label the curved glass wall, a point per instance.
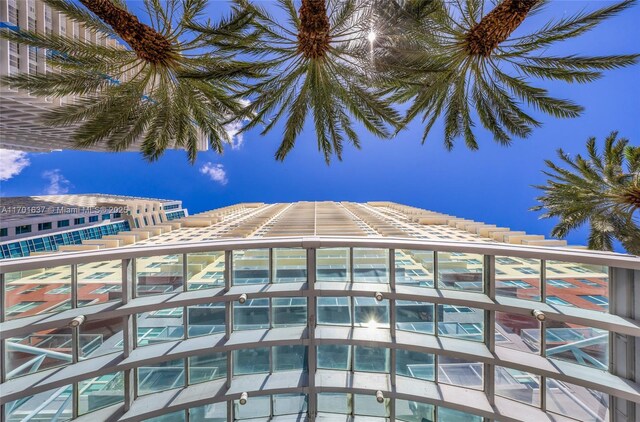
(312, 333)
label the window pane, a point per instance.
(159, 275)
(287, 358)
(580, 403)
(334, 356)
(251, 267)
(215, 412)
(450, 415)
(461, 322)
(205, 270)
(415, 364)
(460, 271)
(518, 385)
(460, 372)
(289, 404)
(519, 332)
(207, 367)
(38, 351)
(289, 311)
(584, 286)
(256, 407)
(415, 316)
(370, 265)
(100, 282)
(414, 267)
(37, 292)
(206, 319)
(100, 337)
(578, 344)
(334, 403)
(367, 405)
(369, 312)
(411, 411)
(41, 407)
(251, 361)
(178, 416)
(160, 376)
(518, 277)
(251, 315)
(371, 359)
(290, 265)
(333, 265)
(159, 326)
(99, 392)
(334, 311)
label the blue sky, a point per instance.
(491, 185)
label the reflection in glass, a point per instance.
(179, 416)
(215, 412)
(577, 402)
(99, 392)
(371, 359)
(160, 326)
(41, 406)
(415, 364)
(251, 361)
(333, 265)
(368, 312)
(290, 265)
(461, 322)
(370, 265)
(251, 315)
(450, 415)
(518, 385)
(35, 352)
(256, 407)
(578, 344)
(411, 411)
(460, 372)
(250, 266)
(205, 270)
(518, 277)
(99, 282)
(519, 332)
(334, 403)
(159, 274)
(289, 404)
(415, 316)
(206, 319)
(100, 337)
(367, 405)
(289, 311)
(584, 286)
(288, 358)
(414, 267)
(334, 311)
(460, 271)
(36, 292)
(160, 376)
(207, 367)
(334, 356)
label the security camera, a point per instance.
(378, 296)
(538, 314)
(379, 397)
(243, 398)
(77, 321)
(242, 298)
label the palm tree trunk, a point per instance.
(496, 26)
(313, 37)
(148, 43)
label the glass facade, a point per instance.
(431, 329)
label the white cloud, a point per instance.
(216, 172)
(58, 184)
(12, 163)
(233, 128)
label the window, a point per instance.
(4, 232)
(33, 289)
(116, 215)
(78, 220)
(554, 270)
(106, 289)
(506, 261)
(93, 219)
(527, 270)
(63, 223)
(62, 290)
(589, 282)
(514, 283)
(597, 299)
(560, 283)
(580, 269)
(23, 229)
(21, 307)
(146, 222)
(44, 226)
(44, 275)
(555, 300)
(98, 275)
(106, 216)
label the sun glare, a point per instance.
(372, 36)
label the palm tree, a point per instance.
(154, 91)
(602, 189)
(317, 59)
(469, 66)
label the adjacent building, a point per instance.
(321, 311)
(20, 126)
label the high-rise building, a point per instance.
(322, 311)
(21, 127)
(50, 223)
